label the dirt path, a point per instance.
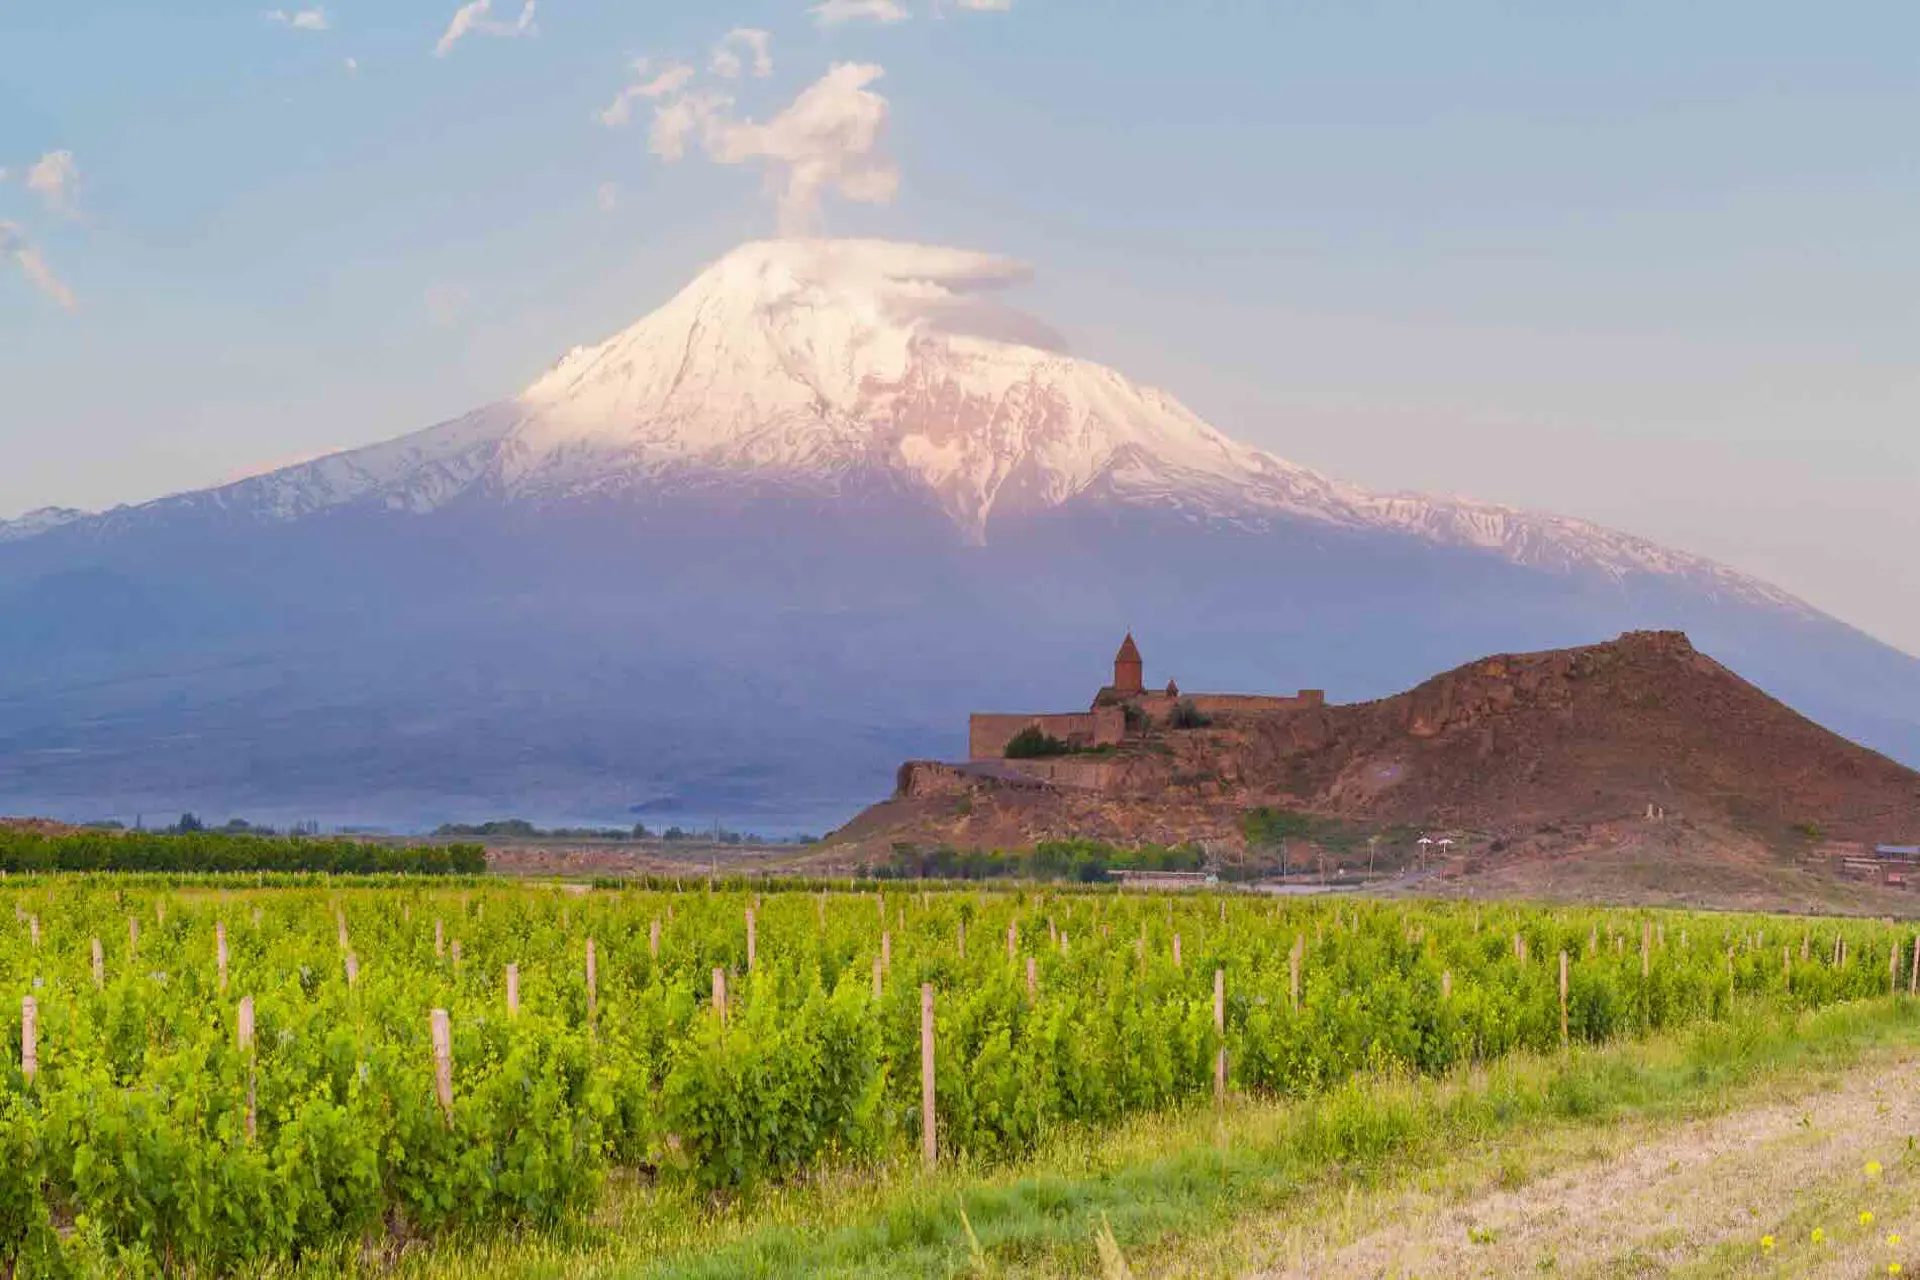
(1692, 1198)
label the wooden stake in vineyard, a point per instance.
(455, 949)
(1013, 938)
(1220, 1029)
(720, 992)
(877, 973)
(353, 969)
(441, 1030)
(1565, 1040)
(963, 939)
(1913, 979)
(752, 940)
(243, 1034)
(133, 936)
(653, 939)
(1294, 958)
(29, 1038)
(593, 983)
(220, 950)
(886, 951)
(1646, 949)
(439, 939)
(33, 928)
(513, 990)
(99, 965)
(1033, 983)
(1446, 984)
(929, 1146)
(1176, 951)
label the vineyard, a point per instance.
(209, 1075)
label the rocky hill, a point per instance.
(1506, 748)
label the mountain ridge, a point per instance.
(745, 554)
(807, 361)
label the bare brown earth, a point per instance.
(1702, 1196)
(1525, 758)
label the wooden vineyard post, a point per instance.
(1293, 970)
(1033, 982)
(99, 965)
(1053, 934)
(1140, 948)
(1593, 940)
(752, 941)
(454, 949)
(1786, 966)
(220, 950)
(886, 952)
(1519, 947)
(133, 936)
(439, 939)
(653, 939)
(593, 984)
(442, 1031)
(1220, 1029)
(340, 917)
(1176, 951)
(1646, 948)
(243, 1034)
(1893, 967)
(1446, 984)
(878, 980)
(1013, 938)
(1063, 942)
(821, 910)
(1913, 979)
(1564, 1038)
(29, 1038)
(963, 939)
(513, 990)
(929, 1145)
(33, 928)
(353, 969)
(720, 993)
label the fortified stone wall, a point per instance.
(1214, 703)
(988, 735)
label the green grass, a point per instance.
(1171, 1188)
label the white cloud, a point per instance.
(314, 19)
(831, 13)
(353, 66)
(476, 15)
(726, 62)
(15, 246)
(651, 85)
(829, 139)
(609, 197)
(55, 178)
(986, 6)
(675, 122)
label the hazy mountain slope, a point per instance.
(831, 493)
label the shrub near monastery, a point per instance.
(135, 1109)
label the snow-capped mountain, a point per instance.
(807, 363)
(744, 555)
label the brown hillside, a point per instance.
(1504, 747)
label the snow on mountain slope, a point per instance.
(809, 362)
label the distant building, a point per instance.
(1127, 698)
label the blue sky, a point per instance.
(1654, 264)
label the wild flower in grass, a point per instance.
(1766, 1244)
(1893, 1268)
(1893, 1240)
(1866, 1217)
(1873, 1168)
(1819, 1235)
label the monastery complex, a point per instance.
(1120, 707)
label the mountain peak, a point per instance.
(825, 366)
